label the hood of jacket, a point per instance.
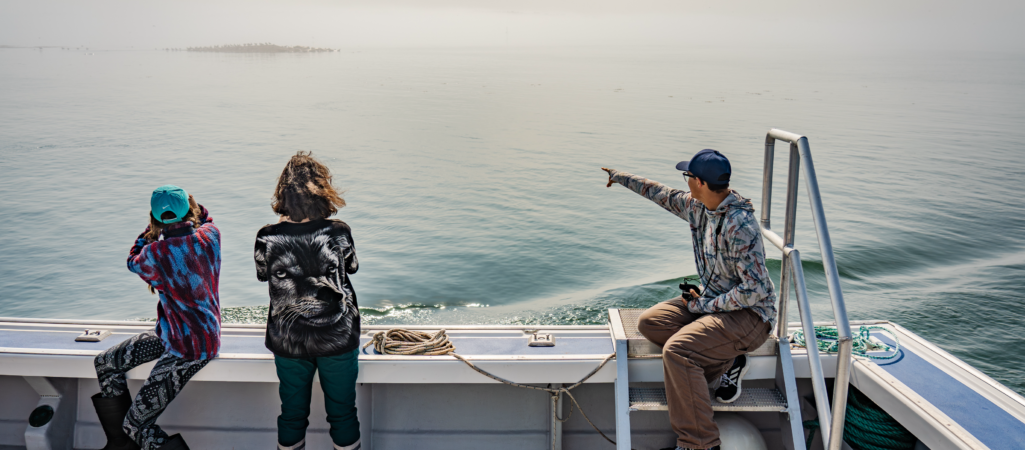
(733, 202)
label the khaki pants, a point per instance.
(696, 350)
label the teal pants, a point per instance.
(337, 379)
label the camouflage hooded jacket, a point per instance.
(730, 262)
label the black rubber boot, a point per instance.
(112, 412)
(175, 442)
(681, 448)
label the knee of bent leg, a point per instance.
(680, 347)
(647, 325)
(105, 358)
(125, 426)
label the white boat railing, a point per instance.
(831, 424)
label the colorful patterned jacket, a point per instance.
(731, 264)
(184, 267)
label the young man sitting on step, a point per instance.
(705, 335)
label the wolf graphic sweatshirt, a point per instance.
(313, 309)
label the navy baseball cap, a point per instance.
(708, 165)
(169, 198)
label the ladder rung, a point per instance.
(751, 399)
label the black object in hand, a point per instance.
(686, 288)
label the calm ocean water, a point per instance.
(473, 180)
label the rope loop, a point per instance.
(828, 340)
(407, 342)
(868, 427)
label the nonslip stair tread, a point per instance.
(751, 399)
(639, 346)
(630, 319)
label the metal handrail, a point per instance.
(831, 425)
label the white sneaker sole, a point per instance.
(740, 379)
(301, 445)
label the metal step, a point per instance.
(639, 346)
(751, 399)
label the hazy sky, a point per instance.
(868, 24)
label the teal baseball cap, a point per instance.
(169, 198)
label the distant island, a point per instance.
(253, 48)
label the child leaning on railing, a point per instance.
(313, 322)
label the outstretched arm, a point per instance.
(675, 201)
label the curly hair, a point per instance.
(305, 190)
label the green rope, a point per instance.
(867, 427)
(811, 425)
(828, 341)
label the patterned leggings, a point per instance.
(166, 380)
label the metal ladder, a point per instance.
(783, 399)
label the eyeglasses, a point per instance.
(688, 176)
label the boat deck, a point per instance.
(939, 398)
(48, 348)
(995, 426)
(235, 344)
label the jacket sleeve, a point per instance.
(139, 259)
(675, 201)
(747, 255)
(204, 216)
(260, 255)
(352, 264)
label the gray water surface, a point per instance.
(473, 180)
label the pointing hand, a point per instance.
(610, 176)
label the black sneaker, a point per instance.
(729, 386)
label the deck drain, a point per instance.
(40, 416)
